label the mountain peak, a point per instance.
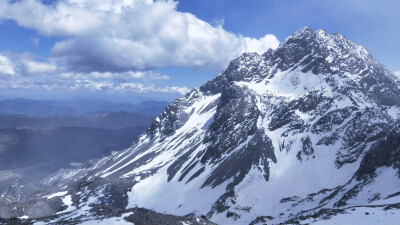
(306, 33)
(302, 33)
(332, 56)
(321, 42)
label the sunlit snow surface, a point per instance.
(67, 200)
(58, 194)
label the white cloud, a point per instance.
(89, 85)
(31, 67)
(30, 74)
(25, 65)
(261, 45)
(117, 36)
(174, 89)
(145, 75)
(65, 18)
(6, 66)
(397, 73)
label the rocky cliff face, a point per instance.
(306, 132)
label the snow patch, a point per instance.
(67, 200)
(58, 194)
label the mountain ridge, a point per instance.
(75, 107)
(300, 134)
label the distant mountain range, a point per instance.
(107, 120)
(38, 138)
(76, 107)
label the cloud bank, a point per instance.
(122, 35)
(108, 44)
(27, 73)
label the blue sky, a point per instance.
(133, 50)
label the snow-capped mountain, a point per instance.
(305, 133)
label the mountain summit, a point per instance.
(301, 134)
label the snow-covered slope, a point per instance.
(304, 133)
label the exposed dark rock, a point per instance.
(144, 217)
